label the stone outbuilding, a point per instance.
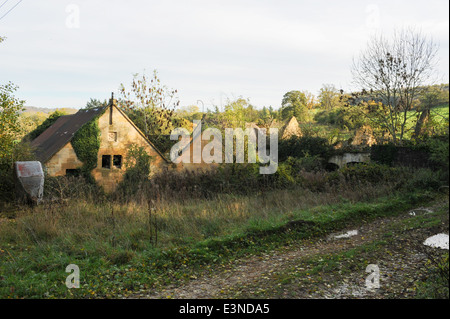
(117, 133)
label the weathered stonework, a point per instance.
(115, 139)
(117, 134)
(63, 160)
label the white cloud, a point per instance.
(258, 49)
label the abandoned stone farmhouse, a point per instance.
(116, 133)
(53, 148)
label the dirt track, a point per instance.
(400, 262)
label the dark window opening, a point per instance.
(331, 167)
(73, 172)
(106, 161)
(117, 161)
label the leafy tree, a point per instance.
(266, 117)
(237, 113)
(149, 104)
(329, 97)
(10, 108)
(348, 118)
(299, 147)
(311, 101)
(294, 103)
(94, 103)
(11, 149)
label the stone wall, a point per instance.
(63, 160)
(343, 160)
(115, 139)
(117, 134)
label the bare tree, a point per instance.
(149, 103)
(391, 74)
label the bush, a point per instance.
(299, 147)
(384, 154)
(371, 173)
(344, 118)
(425, 179)
(137, 172)
(61, 188)
(20, 152)
(439, 153)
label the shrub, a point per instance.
(425, 179)
(372, 173)
(439, 153)
(20, 152)
(384, 154)
(344, 118)
(298, 147)
(137, 172)
(61, 188)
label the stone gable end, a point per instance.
(117, 135)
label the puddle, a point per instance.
(346, 290)
(420, 211)
(437, 241)
(348, 234)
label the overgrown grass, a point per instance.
(124, 245)
(116, 252)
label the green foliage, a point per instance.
(424, 179)
(436, 284)
(439, 149)
(86, 143)
(294, 103)
(137, 172)
(432, 96)
(304, 146)
(138, 163)
(45, 125)
(329, 97)
(343, 117)
(10, 108)
(21, 152)
(11, 149)
(78, 187)
(384, 154)
(370, 173)
(95, 103)
(306, 163)
(237, 113)
(35, 246)
(149, 104)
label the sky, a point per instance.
(62, 53)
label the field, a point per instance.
(133, 250)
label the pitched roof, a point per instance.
(140, 132)
(61, 132)
(291, 128)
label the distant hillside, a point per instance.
(33, 109)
